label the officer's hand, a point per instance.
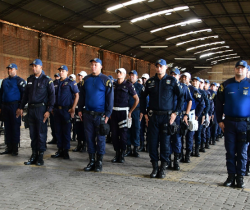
(209, 118)
(52, 111)
(146, 119)
(212, 117)
(141, 116)
(129, 115)
(185, 119)
(172, 118)
(106, 120)
(222, 126)
(72, 113)
(45, 116)
(80, 115)
(19, 112)
(203, 119)
(196, 118)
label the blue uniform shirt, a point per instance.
(12, 89)
(211, 103)
(97, 94)
(65, 92)
(187, 96)
(39, 90)
(233, 99)
(162, 95)
(206, 102)
(138, 88)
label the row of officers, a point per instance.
(176, 110)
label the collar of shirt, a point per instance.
(156, 76)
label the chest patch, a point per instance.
(30, 83)
(245, 92)
(168, 82)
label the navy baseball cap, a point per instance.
(197, 78)
(248, 68)
(161, 62)
(63, 67)
(110, 77)
(176, 71)
(37, 62)
(241, 63)
(207, 81)
(133, 72)
(96, 60)
(12, 65)
(57, 75)
(213, 83)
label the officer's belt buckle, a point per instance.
(150, 113)
(59, 107)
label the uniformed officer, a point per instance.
(162, 90)
(40, 96)
(73, 120)
(81, 145)
(97, 96)
(67, 96)
(182, 117)
(52, 121)
(214, 124)
(140, 81)
(72, 76)
(233, 99)
(11, 93)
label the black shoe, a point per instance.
(240, 182)
(146, 148)
(58, 154)
(33, 158)
(230, 182)
(217, 138)
(116, 158)
(14, 150)
(154, 173)
(182, 157)
(247, 169)
(78, 147)
(176, 161)
(128, 151)
(108, 140)
(196, 153)
(141, 148)
(162, 171)
(8, 150)
(192, 152)
(202, 148)
(210, 141)
(135, 152)
(98, 163)
(53, 141)
(91, 164)
(40, 161)
(169, 165)
(207, 144)
(121, 157)
(187, 156)
(66, 154)
(213, 141)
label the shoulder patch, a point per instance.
(82, 82)
(50, 81)
(108, 83)
(221, 89)
(75, 83)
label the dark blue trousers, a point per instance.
(236, 147)
(95, 142)
(38, 129)
(208, 133)
(197, 135)
(62, 128)
(203, 133)
(156, 137)
(11, 123)
(189, 140)
(142, 129)
(52, 125)
(176, 143)
(134, 131)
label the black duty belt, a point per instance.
(94, 113)
(159, 112)
(36, 105)
(62, 107)
(10, 103)
(237, 119)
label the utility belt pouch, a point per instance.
(164, 129)
(104, 128)
(173, 128)
(184, 129)
(25, 119)
(242, 136)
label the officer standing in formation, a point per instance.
(67, 96)
(121, 114)
(233, 100)
(163, 90)
(11, 93)
(97, 95)
(40, 96)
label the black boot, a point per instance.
(58, 154)
(40, 161)
(135, 152)
(240, 182)
(116, 158)
(162, 171)
(128, 152)
(33, 158)
(14, 149)
(247, 169)
(8, 149)
(84, 146)
(187, 156)
(121, 157)
(182, 157)
(141, 148)
(169, 165)
(197, 154)
(98, 163)
(213, 141)
(217, 138)
(154, 173)
(176, 161)
(66, 154)
(202, 148)
(146, 148)
(207, 144)
(210, 141)
(91, 165)
(192, 152)
(230, 182)
(78, 147)
(53, 141)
